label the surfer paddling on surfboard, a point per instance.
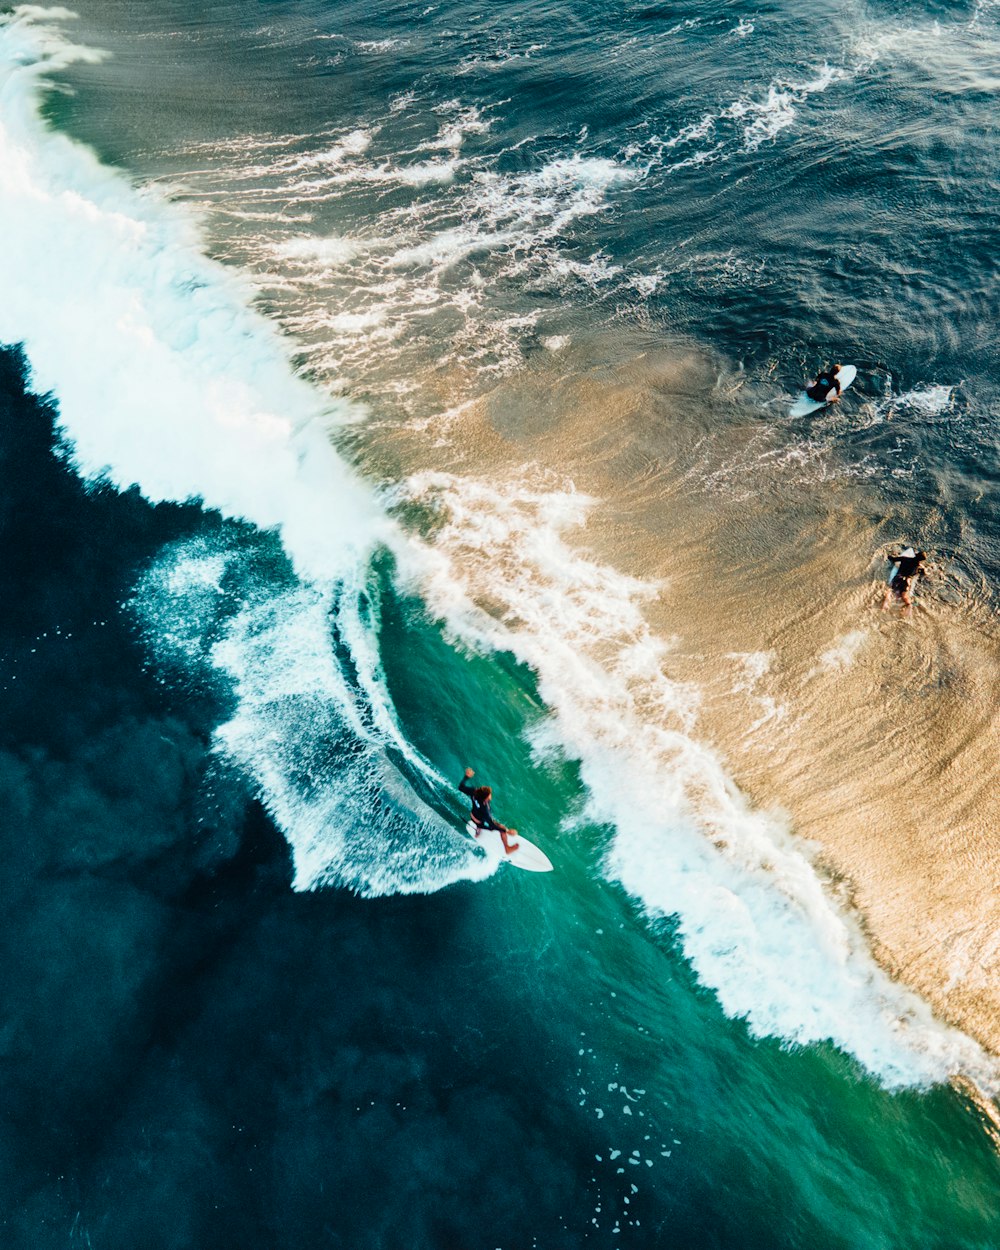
(826, 389)
(482, 817)
(907, 565)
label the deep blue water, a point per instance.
(257, 991)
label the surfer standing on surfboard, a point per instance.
(826, 388)
(482, 817)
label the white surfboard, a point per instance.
(803, 406)
(527, 856)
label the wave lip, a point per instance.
(316, 736)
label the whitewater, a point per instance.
(168, 379)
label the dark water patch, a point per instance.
(117, 821)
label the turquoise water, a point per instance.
(408, 372)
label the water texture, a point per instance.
(401, 390)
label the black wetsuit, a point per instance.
(824, 384)
(481, 814)
(909, 567)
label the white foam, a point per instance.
(592, 272)
(893, 41)
(928, 400)
(379, 45)
(357, 323)
(690, 23)
(763, 120)
(842, 654)
(308, 248)
(526, 210)
(451, 246)
(352, 144)
(459, 120)
(645, 283)
(166, 379)
(754, 666)
(427, 173)
(745, 124)
(754, 918)
(314, 741)
(694, 130)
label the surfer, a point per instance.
(482, 817)
(908, 564)
(826, 389)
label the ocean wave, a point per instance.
(203, 403)
(314, 735)
(167, 380)
(195, 397)
(753, 915)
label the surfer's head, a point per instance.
(482, 793)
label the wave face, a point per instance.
(167, 380)
(754, 916)
(193, 396)
(313, 724)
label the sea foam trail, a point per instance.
(167, 379)
(753, 915)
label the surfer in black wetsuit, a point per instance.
(826, 388)
(482, 817)
(909, 564)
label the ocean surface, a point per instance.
(389, 389)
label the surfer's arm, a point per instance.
(464, 785)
